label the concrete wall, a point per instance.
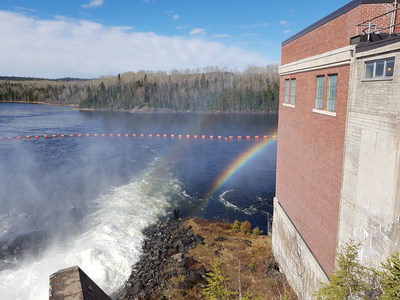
(73, 284)
(294, 257)
(370, 204)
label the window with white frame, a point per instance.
(332, 91)
(293, 91)
(287, 90)
(319, 101)
(290, 91)
(379, 69)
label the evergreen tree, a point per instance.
(391, 277)
(216, 288)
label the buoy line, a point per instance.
(142, 136)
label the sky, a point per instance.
(93, 38)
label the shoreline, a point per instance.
(146, 110)
(40, 103)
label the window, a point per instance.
(287, 90)
(319, 102)
(332, 89)
(290, 91)
(379, 69)
(326, 105)
(293, 91)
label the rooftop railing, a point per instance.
(386, 23)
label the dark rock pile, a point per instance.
(163, 258)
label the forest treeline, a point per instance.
(256, 89)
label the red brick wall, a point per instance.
(310, 160)
(332, 35)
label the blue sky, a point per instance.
(91, 38)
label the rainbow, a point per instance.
(238, 163)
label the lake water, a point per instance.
(85, 200)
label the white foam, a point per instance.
(248, 210)
(225, 202)
(107, 245)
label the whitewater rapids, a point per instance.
(107, 244)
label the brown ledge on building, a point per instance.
(73, 284)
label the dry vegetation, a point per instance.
(246, 261)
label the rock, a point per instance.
(189, 262)
(163, 250)
(177, 256)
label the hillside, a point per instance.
(213, 90)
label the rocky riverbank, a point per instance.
(181, 256)
(164, 257)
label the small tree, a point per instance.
(236, 225)
(354, 281)
(216, 288)
(391, 278)
(348, 281)
(256, 231)
(245, 227)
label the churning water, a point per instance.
(86, 200)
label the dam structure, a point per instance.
(338, 163)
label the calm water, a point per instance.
(85, 200)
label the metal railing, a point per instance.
(384, 23)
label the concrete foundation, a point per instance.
(294, 257)
(73, 284)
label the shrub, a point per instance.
(347, 281)
(245, 227)
(216, 285)
(236, 225)
(352, 280)
(391, 277)
(257, 231)
(252, 266)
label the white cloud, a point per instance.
(93, 3)
(196, 31)
(254, 25)
(65, 47)
(283, 22)
(286, 31)
(25, 9)
(175, 17)
(222, 35)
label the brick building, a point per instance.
(339, 142)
